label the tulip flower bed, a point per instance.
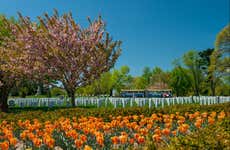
(158, 130)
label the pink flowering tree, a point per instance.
(7, 77)
(58, 48)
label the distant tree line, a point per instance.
(191, 75)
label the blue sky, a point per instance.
(153, 32)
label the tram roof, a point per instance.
(143, 90)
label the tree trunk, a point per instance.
(73, 99)
(71, 94)
(196, 87)
(4, 93)
(213, 88)
(177, 93)
(70, 91)
(111, 92)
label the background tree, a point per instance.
(23, 88)
(116, 80)
(191, 60)
(159, 77)
(139, 83)
(104, 84)
(147, 73)
(205, 61)
(220, 60)
(101, 86)
(180, 81)
(56, 47)
(121, 79)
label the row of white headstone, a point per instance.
(118, 102)
(150, 102)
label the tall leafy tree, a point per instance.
(191, 60)
(122, 79)
(147, 73)
(222, 43)
(220, 60)
(114, 80)
(159, 77)
(104, 84)
(205, 62)
(180, 81)
(139, 83)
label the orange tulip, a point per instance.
(100, 140)
(136, 135)
(204, 115)
(131, 141)
(156, 137)
(39, 132)
(141, 139)
(213, 114)
(166, 131)
(221, 115)
(23, 135)
(49, 141)
(31, 136)
(183, 128)
(168, 125)
(197, 124)
(115, 140)
(197, 113)
(13, 141)
(83, 138)
(87, 147)
(149, 126)
(211, 120)
(157, 131)
(154, 117)
(174, 132)
(123, 139)
(37, 142)
(4, 145)
(191, 116)
(144, 131)
(78, 143)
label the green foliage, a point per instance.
(215, 136)
(191, 60)
(122, 79)
(114, 80)
(146, 76)
(180, 81)
(57, 92)
(222, 42)
(24, 85)
(23, 92)
(220, 60)
(139, 83)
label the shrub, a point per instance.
(57, 92)
(23, 92)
